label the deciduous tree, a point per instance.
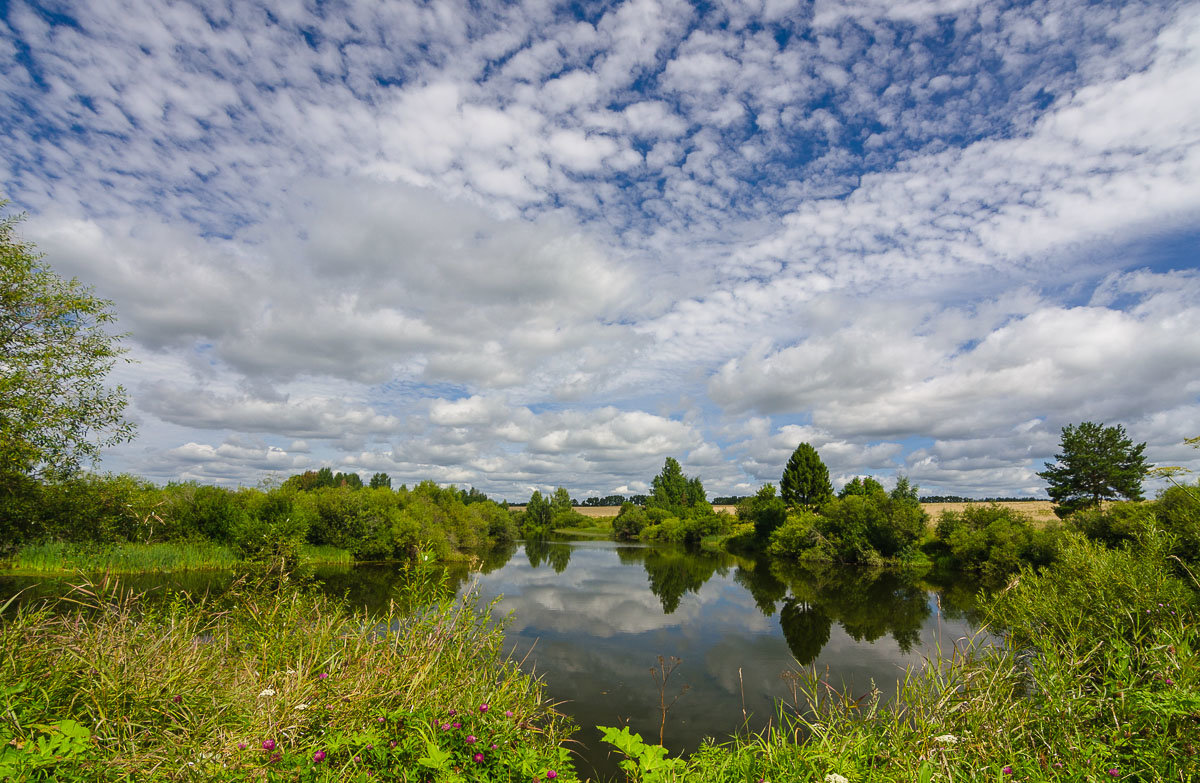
(56, 412)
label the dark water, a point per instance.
(592, 618)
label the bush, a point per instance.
(797, 536)
(629, 522)
(863, 528)
(1178, 513)
(994, 540)
(1117, 524)
(766, 511)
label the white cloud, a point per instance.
(514, 246)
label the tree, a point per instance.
(669, 489)
(55, 411)
(1097, 463)
(805, 480)
(865, 487)
(381, 481)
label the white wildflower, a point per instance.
(834, 777)
(302, 706)
(947, 739)
(267, 692)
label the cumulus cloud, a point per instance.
(520, 245)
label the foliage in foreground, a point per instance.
(1099, 680)
(266, 684)
(55, 411)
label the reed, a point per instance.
(57, 557)
(268, 681)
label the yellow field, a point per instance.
(1037, 510)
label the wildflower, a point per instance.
(470, 739)
(483, 708)
(946, 739)
(1170, 681)
(301, 707)
(176, 699)
(1058, 765)
(358, 759)
(508, 713)
(493, 746)
(477, 758)
(274, 757)
(241, 746)
(834, 777)
(392, 744)
(551, 774)
(322, 676)
(1007, 770)
(370, 747)
(1114, 772)
(268, 744)
(379, 720)
(452, 713)
(267, 692)
(456, 725)
(445, 727)
(319, 756)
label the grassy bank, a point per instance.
(1099, 679)
(266, 683)
(125, 558)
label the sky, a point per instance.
(530, 244)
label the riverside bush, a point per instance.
(267, 683)
(1096, 679)
(994, 540)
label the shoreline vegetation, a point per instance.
(1097, 676)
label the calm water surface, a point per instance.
(592, 617)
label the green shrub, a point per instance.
(629, 522)
(994, 540)
(865, 526)
(1116, 524)
(797, 536)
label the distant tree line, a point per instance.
(961, 499)
(614, 500)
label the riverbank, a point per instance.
(53, 558)
(267, 681)
(1099, 680)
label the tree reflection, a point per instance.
(673, 572)
(868, 603)
(496, 557)
(805, 628)
(764, 587)
(553, 553)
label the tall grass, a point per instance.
(57, 557)
(1098, 679)
(325, 554)
(66, 558)
(267, 682)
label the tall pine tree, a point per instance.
(805, 480)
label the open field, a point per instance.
(1037, 510)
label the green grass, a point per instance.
(267, 682)
(56, 557)
(61, 558)
(1099, 679)
(602, 532)
(323, 554)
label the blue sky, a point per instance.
(523, 245)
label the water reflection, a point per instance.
(592, 620)
(592, 617)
